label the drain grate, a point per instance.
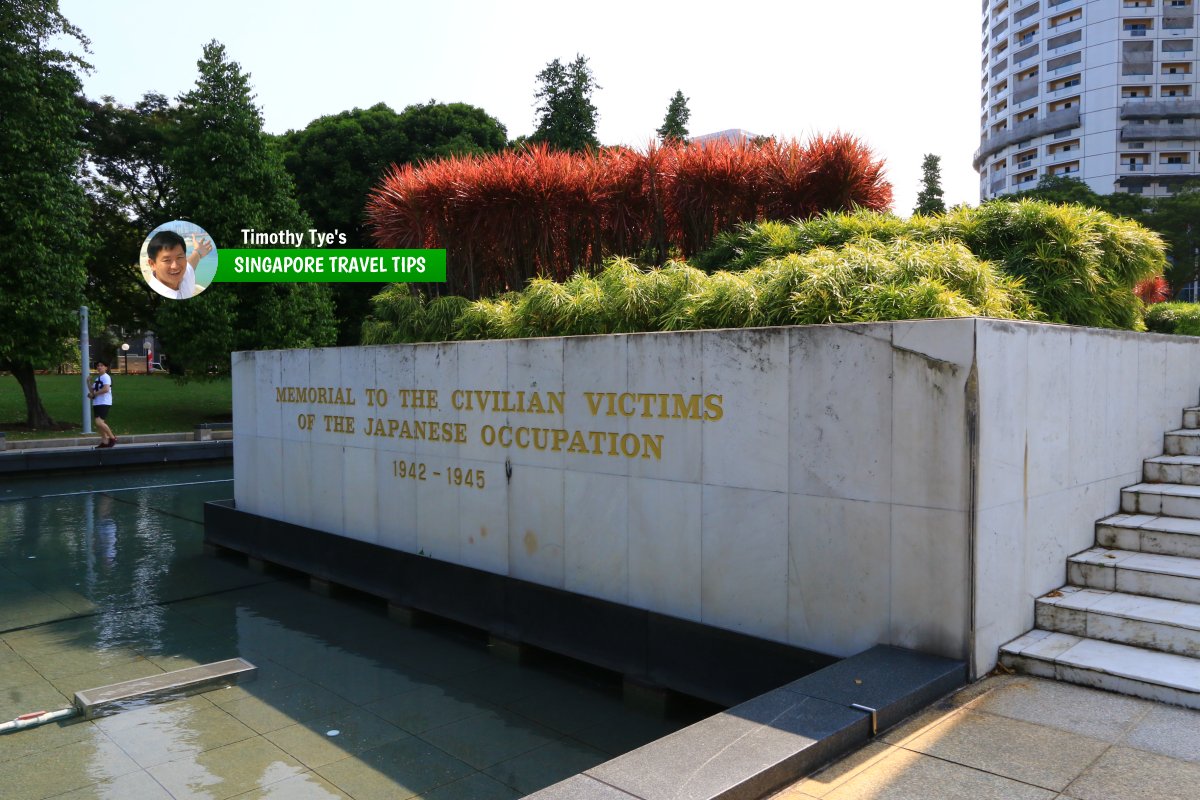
(106, 700)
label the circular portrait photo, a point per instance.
(178, 259)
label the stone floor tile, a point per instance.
(1035, 754)
(394, 771)
(149, 712)
(275, 709)
(1100, 715)
(64, 769)
(310, 743)
(40, 695)
(45, 738)
(79, 661)
(1137, 775)
(570, 709)
(546, 765)
(906, 775)
(134, 786)
(309, 786)
(17, 672)
(920, 724)
(616, 737)
(429, 707)
(179, 733)
(227, 771)
(489, 738)
(472, 787)
(822, 783)
(1169, 731)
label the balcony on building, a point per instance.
(1146, 107)
(1160, 131)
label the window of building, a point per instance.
(1064, 40)
(1176, 45)
(1177, 68)
(1066, 19)
(1135, 91)
(1176, 91)
(1174, 158)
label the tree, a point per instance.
(567, 117)
(931, 198)
(43, 213)
(337, 159)
(1176, 217)
(227, 177)
(674, 127)
(130, 192)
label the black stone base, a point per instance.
(33, 461)
(716, 665)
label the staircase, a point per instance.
(1128, 619)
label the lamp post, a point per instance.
(85, 362)
(125, 352)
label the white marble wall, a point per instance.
(831, 507)
(1066, 417)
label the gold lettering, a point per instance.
(652, 442)
(593, 401)
(688, 408)
(712, 407)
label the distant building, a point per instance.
(731, 135)
(1100, 90)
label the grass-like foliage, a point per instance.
(506, 218)
(1026, 260)
(1180, 318)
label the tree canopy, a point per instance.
(226, 178)
(43, 212)
(566, 115)
(931, 199)
(1174, 217)
(674, 127)
(337, 159)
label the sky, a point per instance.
(903, 77)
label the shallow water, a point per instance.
(103, 579)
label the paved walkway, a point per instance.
(1016, 737)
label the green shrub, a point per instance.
(1179, 318)
(1078, 264)
(1026, 260)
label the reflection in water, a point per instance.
(121, 589)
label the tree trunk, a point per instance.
(35, 413)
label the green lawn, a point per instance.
(141, 404)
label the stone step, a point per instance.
(1149, 533)
(1191, 417)
(1148, 574)
(1183, 442)
(1165, 677)
(1166, 499)
(1169, 626)
(1172, 469)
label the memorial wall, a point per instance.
(830, 487)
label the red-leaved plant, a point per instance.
(506, 217)
(1153, 290)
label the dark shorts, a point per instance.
(101, 412)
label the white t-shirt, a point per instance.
(106, 398)
(187, 286)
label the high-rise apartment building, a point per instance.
(1100, 90)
